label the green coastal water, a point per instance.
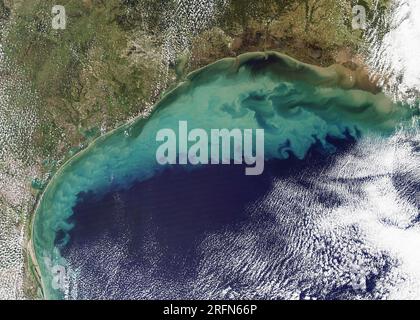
(297, 105)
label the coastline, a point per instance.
(345, 78)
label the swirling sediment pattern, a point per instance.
(297, 105)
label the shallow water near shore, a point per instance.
(300, 107)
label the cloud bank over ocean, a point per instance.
(394, 54)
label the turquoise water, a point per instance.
(297, 105)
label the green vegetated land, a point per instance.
(105, 66)
(82, 75)
(109, 64)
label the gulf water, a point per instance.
(127, 227)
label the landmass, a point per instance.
(116, 59)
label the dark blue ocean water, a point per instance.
(151, 241)
(212, 232)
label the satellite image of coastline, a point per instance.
(184, 150)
